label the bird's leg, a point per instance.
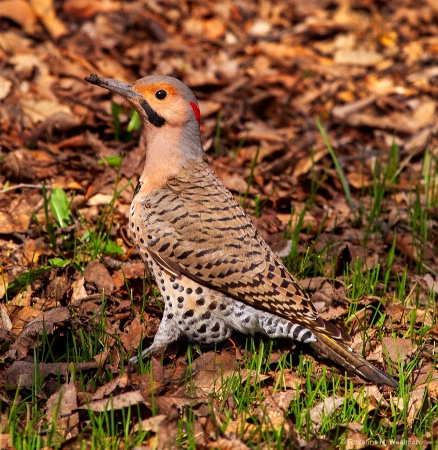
(167, 332)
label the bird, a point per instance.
(215, 272)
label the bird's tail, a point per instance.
(342, 355)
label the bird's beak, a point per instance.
(119, 87)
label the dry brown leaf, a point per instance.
(275, 406)
(324, 409)
(5, 84)
(6, 441)
(102, 358)
(235, 182)
(342, 112)
(433, 388)
(151, 424)
(212, 29)
(211, 369)
(5, 320)
(259, 131)
(354, 438)
(416, 404)
(4, 283)
(100, 199)
(398, 122)
(34, 248)
(119, 382)
(307, 163)
(166, 433)
(147, 384)
(22, 373)
(244, 429)
(55, 292)
(398, 349)
(45, 11)
(240, 428)
(130, 269)
(22, 316)
(288, 52)
(358, 180)
(78, 291)
(35, 111)
(45, 323)
(131, 340)
(358, 57)
(432, 283)
(59, 411)
(425, 112)
(139, 329)
(15, 213)
(370, 398)
(380, 85)
(208, 108)
(178, 399)
(98, 274)
(227, 444)
(288, 378)
(83, 9)
(21, 13)
(115, 402)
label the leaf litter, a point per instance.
(263, 72)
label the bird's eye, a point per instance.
(161, 94)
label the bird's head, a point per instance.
(170, 115)
(159, 100)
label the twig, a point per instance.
(21, 186)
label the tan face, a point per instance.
(165, 100)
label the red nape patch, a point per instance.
(196, 111)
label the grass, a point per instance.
(237, 407)
(109, 429)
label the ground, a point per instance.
(320, 117)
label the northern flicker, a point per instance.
(215, 272)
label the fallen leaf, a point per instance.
(115, 402)
(23, 374)
(5, 84)
(22, 316)
(35, 110)
(166, 435)
(78, 291)
(83, 9)
(21, 13)
(398, 349)
(227, 444)
(417, 403)
(45, 11)
(354, 438)
(108, 388)
(5, 321)
(45, 323)
(98, 274)
(324, 409)
(59, 411)
(151, 424)
(15, 213)
(274, 407)
(358, 57)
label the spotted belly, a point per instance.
(207, 316)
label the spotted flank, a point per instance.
(205, 316)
